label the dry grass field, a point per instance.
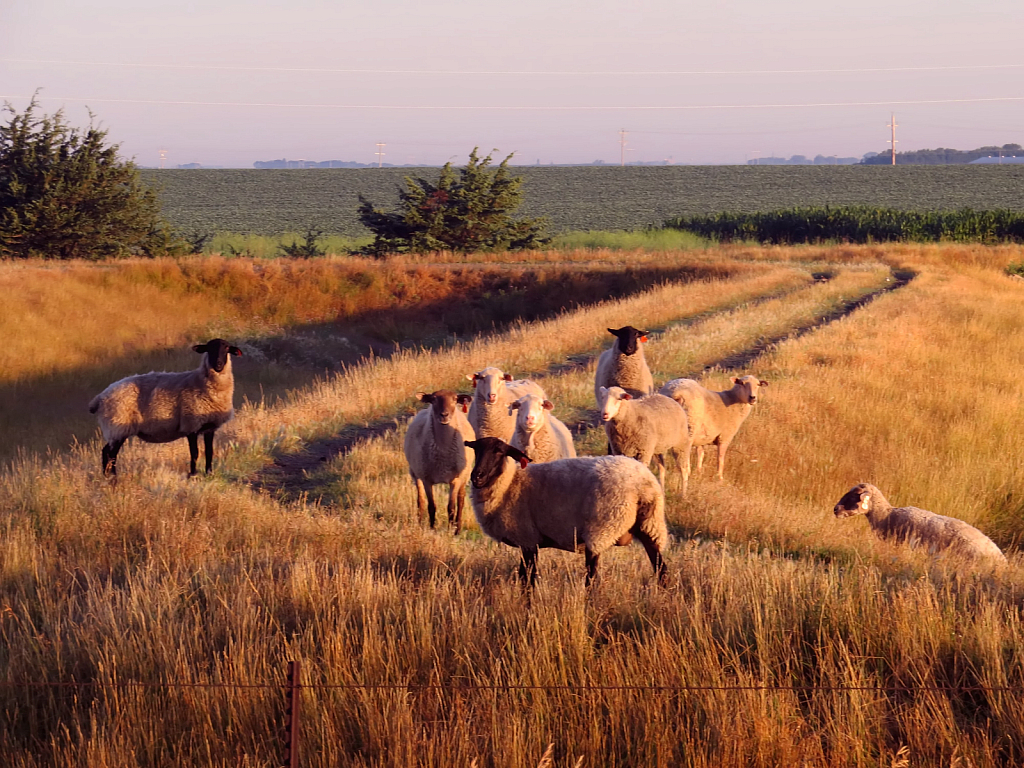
(150, 624)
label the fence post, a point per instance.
(291, 717)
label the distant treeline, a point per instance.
(804, 160)
(857, 224)
(942, 156)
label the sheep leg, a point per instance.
(654, 554)
(700, 459)
(110, 451)
(458, 491)
(528, 566)
(428, 489)
(683, 462)
(193, 453)
(208, 450)
(723, 446)
(660, 458)
(421, 499)
(591, 558)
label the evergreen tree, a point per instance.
(65, 194)
(469, 212)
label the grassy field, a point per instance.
(787, 637)
(270, 202)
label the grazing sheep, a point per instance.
(162, 407)
(570, 504)
(434, 447)
(714, 417)
(912, 525)
(646, 427)
(538, 433)
(624, 365)
(494, 392)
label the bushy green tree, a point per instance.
(469, 211)
(65, 194)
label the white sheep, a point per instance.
(538, 433)
(714, 417)
(162, 407)
(624, 365)
(569, 504)
(493, 392)
(435, 449)
(646, 427)
(917, 526)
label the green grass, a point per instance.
(647, 239)
(231, 244)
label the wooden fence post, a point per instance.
(291, 717)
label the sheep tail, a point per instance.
(650, 515)
(94, 404)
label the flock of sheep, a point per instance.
(529, 488)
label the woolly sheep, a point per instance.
(913, 525)
(714, 417)
(646, 427)
(538, 433)
(434, 447)
(163, 407)
(493, 392)
(571, 504)
(624, 365)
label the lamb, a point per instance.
(624, 365)
(436, 454)
(163, 407)
(714, 417)
(539, 434)
(494, 392)
(913, 525)
(646, 427)
(588, 503)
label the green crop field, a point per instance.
(576, 198)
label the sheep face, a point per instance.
(629, 338)
(748, 388)
(490, 454)
(443, 404)
(218, 351)
(611, 401)
(489, 383)
(856, 501)
(531, 409)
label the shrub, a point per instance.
(65, 194)
(471, 212)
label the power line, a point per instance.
(543, 73)
(523, 108)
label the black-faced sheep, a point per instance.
(646, 427)
(162, 407)
(436, 451)
(494, 391)
(624, 365)
(714, 417)
(917, 526)
(538, 433)
(570, 504)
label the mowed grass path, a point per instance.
(787, 637)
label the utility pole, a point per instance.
(380, 153)
(893, 125)
(163, 157)
(622, 146)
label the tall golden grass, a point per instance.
(786, 638)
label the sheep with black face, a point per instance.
(624, 364)
(160, 407)
(587, 504)
(435, 449)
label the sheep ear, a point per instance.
(424, 397)
(734, 380)
(548, 405)
(626, 396)
(762, 383)
(199, 348)
(515, 453)
(613, 331)
(464, 401)
(603, 391)
(471, 377)
(508, 377)
(235, 351)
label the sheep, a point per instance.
(624, 365)
(163, 407)
(588, 503)
(434, 449)
(646, 427)
(714, 417)
(494, 392)
(539, 434)
(912, 525)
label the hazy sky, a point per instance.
(227, 83)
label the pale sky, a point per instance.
(227, 83)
